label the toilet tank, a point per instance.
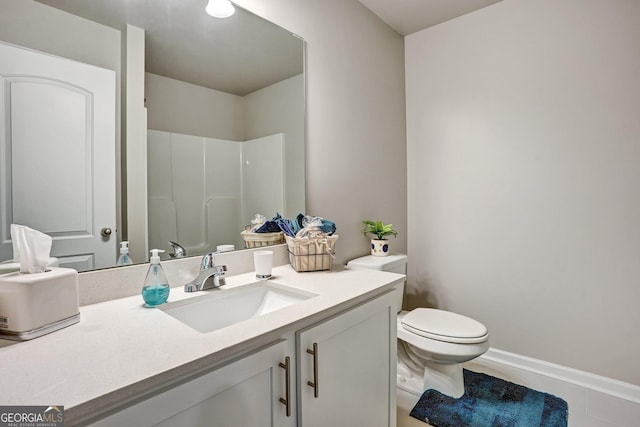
(394, 263)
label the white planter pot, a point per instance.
(379, 247)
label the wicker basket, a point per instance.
(256, 240)
(311, 254)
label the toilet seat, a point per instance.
(444, 326)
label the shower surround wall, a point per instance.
(203, 191)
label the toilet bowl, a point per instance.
(432, 343)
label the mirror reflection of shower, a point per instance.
(203, 191)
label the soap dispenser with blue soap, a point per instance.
(125, 258)
(155, 290)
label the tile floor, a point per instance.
(587, 408)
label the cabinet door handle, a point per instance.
(286, 401)
(314, 384)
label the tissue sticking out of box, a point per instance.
(31, 248)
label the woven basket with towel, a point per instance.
(256, 240)
(311, 253)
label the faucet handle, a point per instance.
(208, 261)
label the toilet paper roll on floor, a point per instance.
(31, 248)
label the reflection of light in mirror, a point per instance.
(220, 8)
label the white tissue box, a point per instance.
(32, 305)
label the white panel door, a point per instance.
(57, 155)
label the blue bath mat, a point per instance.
(491, 402)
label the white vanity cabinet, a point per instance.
(250, 392)
(347, 368)
(337, 371)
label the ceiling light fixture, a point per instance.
(220, 8)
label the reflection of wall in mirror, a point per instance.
(280, 108)
(183, 108)
(44, 28)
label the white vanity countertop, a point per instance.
(120, 348)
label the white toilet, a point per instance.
(432, 344)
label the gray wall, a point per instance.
(524, 177)
(180, 107)
(356, 153)
(37, 26)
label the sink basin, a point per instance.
(222, 307)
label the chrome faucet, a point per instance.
(211, 275)
(178, 251)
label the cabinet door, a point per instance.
(244, 393)
(350, 380)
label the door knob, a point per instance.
(105, 232)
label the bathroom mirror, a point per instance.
(225, 112)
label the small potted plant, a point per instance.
(379, 245)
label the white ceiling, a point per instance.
(409, 16)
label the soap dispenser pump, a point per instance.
(155, 290)
(125, 258)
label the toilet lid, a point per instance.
(444, 326)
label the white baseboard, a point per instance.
(584, 379)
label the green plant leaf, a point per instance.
(379, 229)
